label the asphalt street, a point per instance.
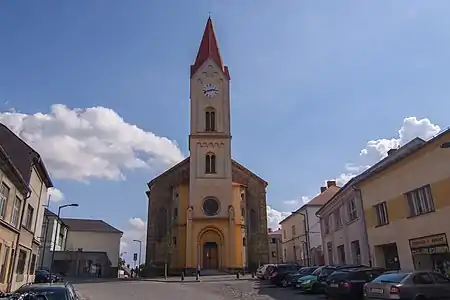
(211, 288)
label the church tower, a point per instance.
(210, 185)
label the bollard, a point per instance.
(253, 274)
(197, 276)
(237, 275)
(182, 276)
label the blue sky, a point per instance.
(312, 83)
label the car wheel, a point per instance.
(314, 288)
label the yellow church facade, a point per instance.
(208, 210)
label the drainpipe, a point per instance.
(16, 247)
(366, 236)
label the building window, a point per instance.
(4, 264)
(29, 220)
(21, 262)
(382, 215)
(162, 223)
(210, 120)
(326, 224)
(351, 206)
(284, 233)
(33, 264)
(337, 218)
(420, 201)
(356, 252)
(285, 255)
(253, 220)
(210, 163)
(274, 241)
(211, 207)
(274, 254)
(244, 242)
(330, 253)
(341, 254)
(293, 230)
(4, 195)
(16, 212)
(243, 212)
(175, 212)
(174, 240)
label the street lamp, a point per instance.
(445, 145)
(140, 251)
(54, 242)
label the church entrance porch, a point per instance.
(210, 256)
(210, 249)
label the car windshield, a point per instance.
(327, 271)
(308, 270)
(42, 272)
(50, 293)
(317, 271)
(391, 277)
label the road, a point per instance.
(211, 288)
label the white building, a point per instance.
(54, 236)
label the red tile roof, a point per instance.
(209, 48)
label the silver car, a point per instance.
(408, 285)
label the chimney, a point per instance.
(331, 183)
(391, 151)
(322, 189)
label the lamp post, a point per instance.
(140, 251)
(54, 242)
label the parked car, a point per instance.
(290, 279)
(53, 291)
(268, 271)
(349, 283)
(280, 271)
(42, 276)
(317, 281)
(261, 271)
(408, 285)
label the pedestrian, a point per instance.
(99, 272)
(198, 270)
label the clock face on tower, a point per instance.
(210, 90)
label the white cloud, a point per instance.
(375, 150)
(274, 217)
(297, 202)
(55, 195)
(136, 229)
(91, 143)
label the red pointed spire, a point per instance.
(209, 49)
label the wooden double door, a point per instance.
(210, 256)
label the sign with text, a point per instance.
(429, 241)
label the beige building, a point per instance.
(32, 169)
(301, 231)
(95, 245)
(207, 210)
(407, 206)
(275, 248)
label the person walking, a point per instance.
(198, 271)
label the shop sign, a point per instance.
(428, 241)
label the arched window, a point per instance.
(253, 220)
(162, 223)
(210, 119)
(210, 163)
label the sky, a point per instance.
(320, 90)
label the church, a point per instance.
(208, 210)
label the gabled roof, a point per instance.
(12, 172)
(319, 200)
(89, 225)
(209, 49)
(399, 154)
(23, 156)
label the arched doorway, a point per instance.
(210, 248)
(210, 256)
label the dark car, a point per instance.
(349, 283)
(53, 291)
(280, 271)
(327, 271)
(290, 279)
(42, 276)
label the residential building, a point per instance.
(275, 249)
(13, 191)
(92, 246)
(344, 236)
(207, 210)
(301, 231)
(54, 237)
(407, 206)
(32, 169)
